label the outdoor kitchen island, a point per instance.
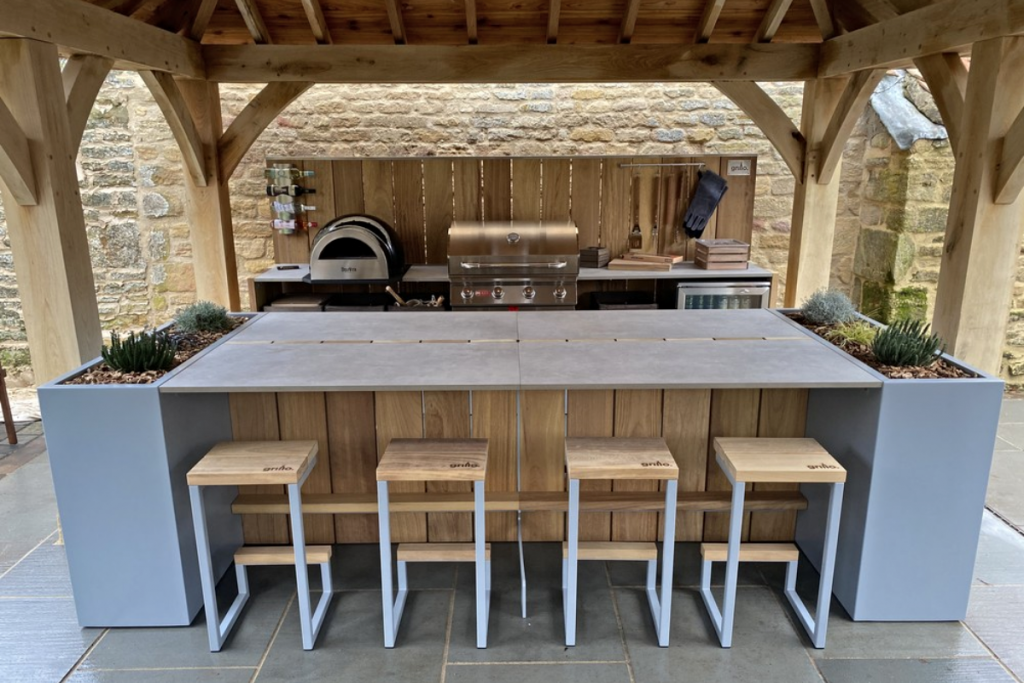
(526, 381)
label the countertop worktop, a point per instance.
(529, 350)
(424, 273)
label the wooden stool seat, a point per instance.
(277, 555)
(619, 458)
(237, 463)
(791, 461)
(434, 460)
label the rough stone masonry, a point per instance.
(891, 214)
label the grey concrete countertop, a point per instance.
(479, 350)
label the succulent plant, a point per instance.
(140, 352)
(203, 316)
(828, 307)
(907, 343)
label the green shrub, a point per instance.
(203, 316)
(857, 331)
(140, 352)
(907, 343)
(828, 307)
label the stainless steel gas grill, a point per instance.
(525, 264)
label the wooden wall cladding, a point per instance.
(354, 429)
(603, 195)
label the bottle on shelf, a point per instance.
(289, 190)
(281, 174)
(291, 206)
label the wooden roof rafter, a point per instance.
(554, 9)
(472, 35)
(397, 21)
(200, 20)
(708, 19)
(253, 18)
(629, 18)
(772, 20)
(317, 22)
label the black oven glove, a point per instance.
(705, 200)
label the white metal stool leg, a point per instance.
(217, 629)
(481, 565)
(817, 626)
(572, 563)
(393, 605)
(661, 606)
(310, 622)
(723, 620)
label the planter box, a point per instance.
(119, 455)
(918, 455)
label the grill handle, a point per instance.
(473, 265)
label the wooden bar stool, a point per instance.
(620, 458)
(241, 463)
(433, 460)
(791, 461)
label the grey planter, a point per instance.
(918, 455)
(119, 455)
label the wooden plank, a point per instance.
(268, 556)
(759, 552)
(348, 187)
(438, 206)
(317, 23)
(351, 439)
(708, 19)
(293, 248)
(519, 63)
(323, 199)
(1010, 178)
(773, 17)
(409, 217)
(494, 419)
(525, 189)
(467, 190)
(304, 416)
(685, 424)
(471, 23)
(83, 76)
(542, 466)
(497, 189)
(769, 117)
(378, 189)
(253, 19)
(637, 414)
(400, 416)
(254, 418)
(634, 458)
(168, 97)
(586, 199)
(621, 551)
(616, 218)
(629, 21)
(200, 20)
(446, 416)
(556, 190)
(435, 552)
(734, 412)
(82, 27)
(16, 160)
(848, 111)
(592, 413)
(823, 16)
(261, 111)
(736, 211)
(231, 463)
(396, 20)
(554, 9)
(783, 414)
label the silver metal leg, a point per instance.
(217, 629)
(663, 618)
(393, 605)
(308, 621)
(817, 626)
(723, 620)
(483, 593)
(522, 562)
(572, 570)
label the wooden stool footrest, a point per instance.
(613, 550)
(440, 552)
(271, 555)
(751, 552)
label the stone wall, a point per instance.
(131, 176)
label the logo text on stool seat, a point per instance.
(823, 466)
(656, 463)
(279, 468)
(471, 465)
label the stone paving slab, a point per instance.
(996, 615)
(1006, 488)
(965, 670)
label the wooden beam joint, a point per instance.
(168, 97)
(16, 168)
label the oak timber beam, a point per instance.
(397, 21)
(81, 27)
(946, 76)
(708, 19)
(509, 63)
(554, 9)
(772, 20)
(168, 97)
(201, 20)
(83, 75)
(629, 21)
(317, 22)
(823, 17)
(253, 19)
(851, 105)
(16, 160)
(471, 27)
(982, 242)
(946, 26)
(769, 117)
(253, 120)
(1010, 175)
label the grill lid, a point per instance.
(478, 248)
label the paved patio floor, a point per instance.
(40, 639)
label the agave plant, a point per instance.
(907, 343)
(140, 352)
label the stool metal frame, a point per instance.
(723, 619)
(218, 628)
(661, 605)
(394, 604)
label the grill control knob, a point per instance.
(498, 293)
(467, 293)
(560, 292)
(529, 292)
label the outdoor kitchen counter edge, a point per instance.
(667, 349)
